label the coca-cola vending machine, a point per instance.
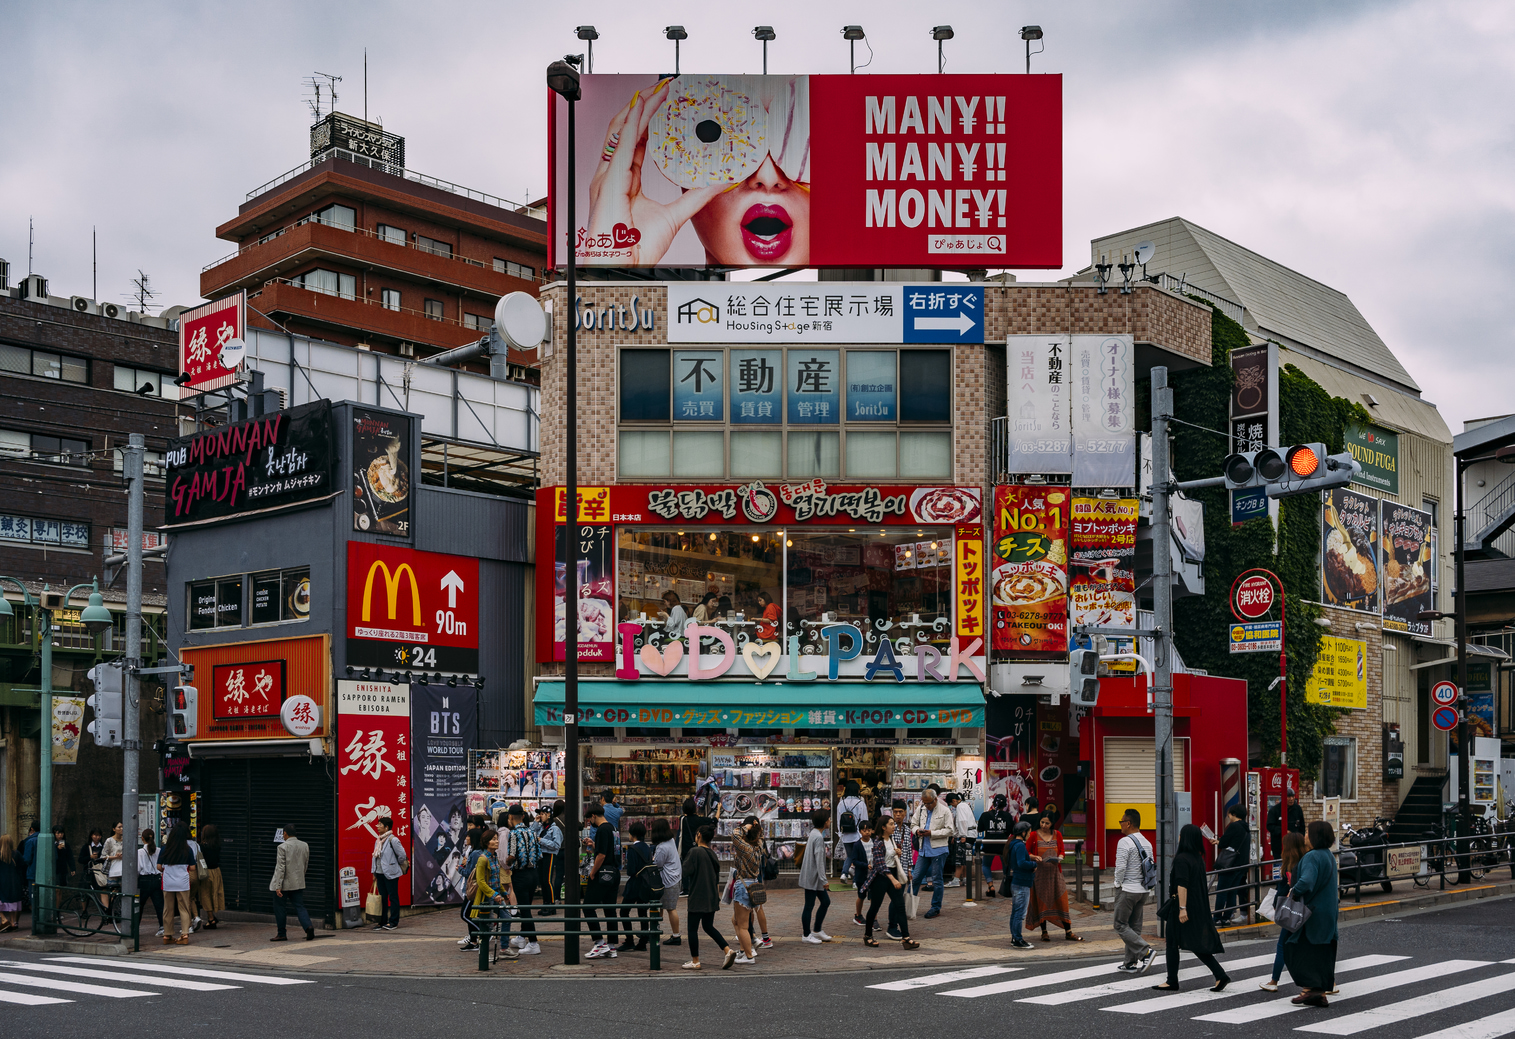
(1276, 786)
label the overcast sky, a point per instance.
(1366, 144)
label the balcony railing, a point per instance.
(1180, 285)
(352, 298)
(410, 175)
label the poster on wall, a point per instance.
(1010, 739)
(1340, 675)
(591, 551)
(1349, 551)
(381, 473)
(1040, 377)
(373, 773)
(1102, 570)
(443, 722)
(1030, 557)
(1104, 411)
(1405, 537)
(411, 610)
(904, 171)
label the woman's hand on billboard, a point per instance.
(615, 192)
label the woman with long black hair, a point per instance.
(211, 893)
(176, 861)
(149, 880)
(1187, 912)
(1310, 951)
(885, 880)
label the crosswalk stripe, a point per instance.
(1408, 1008)
(105, 975)
(29, 1000)
(1146, 981)
(73, 987)
(1278, 1007)
(194, 972)
(1491, 1027)
(1018, 984)
(931, 980)
(1174, 1000)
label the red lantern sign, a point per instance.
(1252, 597)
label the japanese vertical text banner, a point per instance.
(373, 772)
(1102, 572)
(443, 724)
(1030, 558)
(1349, 551)
(1038, 405)
(1407, 551)
(972, 584)
(1104, 411)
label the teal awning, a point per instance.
(766, 705)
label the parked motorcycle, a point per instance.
(1364, 856)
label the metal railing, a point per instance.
(1488, 511)
(83, 912)
(1229, 307)
(292, 283)
(389, 167)
(572, 921)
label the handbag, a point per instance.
(1293, 914)
(1168, 911)
(373, 905)
(770, 866)
(1226, 860)
(1268, 907)
(757, 892)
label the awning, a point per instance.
(766, 705)
(1475, 649)
(297, 748)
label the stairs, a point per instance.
(1420, 811)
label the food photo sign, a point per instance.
(381, 473)
(1349, 551)
(1405, 537)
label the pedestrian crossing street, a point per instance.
(1441, 992)
(54, 980)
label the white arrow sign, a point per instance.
(963, 323)
(452, 584)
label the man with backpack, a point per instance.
(524, 856)
(851, 811)
(1135, 876)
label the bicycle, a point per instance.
(76, 909)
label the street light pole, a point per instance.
(1162, 607)
(131, 721)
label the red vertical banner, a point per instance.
(373, 772)
(972, 581)
(1029, 553)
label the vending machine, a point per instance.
(1277, 785)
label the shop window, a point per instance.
(757, 454)
(925, 386)
(280, 595)
(645, 385)
(434, 309)
(390, 299)
(1338, 768)
(699, 455)
(391, 234)
(814, 454)
(643, 453)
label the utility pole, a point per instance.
(131, 721)
(1162, 608)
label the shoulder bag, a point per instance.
(1293, 914)
(770, 865)
(1268, 907)
(757, 892)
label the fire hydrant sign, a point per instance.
(373, 772)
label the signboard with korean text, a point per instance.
(411, 610)
(1102, 566)
(286, 458)
(1029, 548)
(1256, 637)
(590, 550)
(373, 761)
(382, 498)
(724, 170)
(1104, 411)
(824, 312)
(442, 729)
(1038, 405)
(1405, 538)
(1340, 676)
(1350, 551)
(759, 502)
(1377, 450)
(209, 338)
(253, 690)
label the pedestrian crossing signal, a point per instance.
(184, 710)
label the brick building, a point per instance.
(353, 248)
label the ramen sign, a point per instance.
(1251, 597)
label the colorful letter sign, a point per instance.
(1030, 578)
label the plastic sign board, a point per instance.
(410, 610)
(721, 170)
(208, 333)
(1340, 676)
(824, 312)
(1248, 504)
(1251, 597)
(1257, 637)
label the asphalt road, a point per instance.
(1447, 973)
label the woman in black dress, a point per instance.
(1190, 926)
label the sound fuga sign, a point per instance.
(1377, 450)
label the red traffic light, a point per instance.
(1303, 461)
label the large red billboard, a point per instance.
(907, 171)
(410, 610)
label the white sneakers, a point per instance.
(601, 950)
(822, 935)
(745, 959)
(516, 941)
(811, 939)
(530, 949)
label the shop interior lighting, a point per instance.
(789, 543)
(712, 535)
(756, 537)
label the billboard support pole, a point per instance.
(131, 685)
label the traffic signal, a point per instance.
(1286, 471)
(106, 703)
(183, 711)
(1083, 678)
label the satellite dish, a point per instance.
(232, 353)
(1144, 251)
(520, 319)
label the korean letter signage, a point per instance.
(248, 690)
(1030, 553)
(1377, 450)
(588, 548)
(1038, 404)
(442, 730)
(373, 772)
(209, 340)
(411, 610)
(902, 171)
(1340, 677)
(381, 473)
(823, 312)
(1104, 410)
(1102, 571)
(268, 462)
(1406, 543)
(1350, 550)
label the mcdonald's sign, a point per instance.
(411, 610)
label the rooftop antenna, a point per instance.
(365, 84)
(94, 262)
(314, 82)
(142, 292)
(31, 240)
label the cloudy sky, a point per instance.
(1366, 144)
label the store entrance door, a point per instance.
(249, 800)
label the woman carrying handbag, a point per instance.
(1288, 870)
(1187, 912)
(886, 879)
(1310, 950)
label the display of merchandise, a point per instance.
(917, 769)
(782, 786)
(870, 767)
(648, 784)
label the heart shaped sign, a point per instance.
(623, 236)
(663, 663)
(770, 652)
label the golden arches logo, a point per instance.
(392, 591)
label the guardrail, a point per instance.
(83, 912)
(572, 925)
(387, 167)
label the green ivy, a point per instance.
(1307, 413)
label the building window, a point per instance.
(280, 595)
(216, 603)
(391, 234)
(43, 363)
(153, 464)
(434, 309)
(131, 380)
(433, 246)
(329, 283)
(344, 217)
(515, 270)
(1338, 768)
(60, 450)
(478, 322)
(390, 298)
(30, 529)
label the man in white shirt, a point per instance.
(1132, 851)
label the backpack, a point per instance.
(528, 851)
(472, 887)
(400, 851)
(847, 821)
(1149, 868)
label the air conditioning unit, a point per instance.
(407, 349)
(110, 309)
(34, 286)
(82, 304)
